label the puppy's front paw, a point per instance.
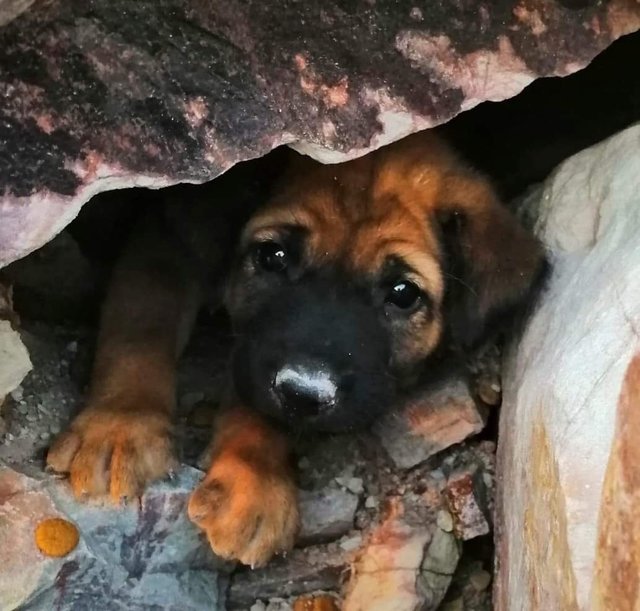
(114, 451)
(248, 514)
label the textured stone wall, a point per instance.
(102, 94)
(567, 458)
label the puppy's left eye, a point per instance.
(404, 295)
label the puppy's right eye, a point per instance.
(270, 257)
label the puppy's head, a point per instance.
(354, 275)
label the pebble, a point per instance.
(371, 502)
(480, 580)
(258, 606)
(352, 543)
(352, 484)
(72, 346)
(445, 520)
(17, 394)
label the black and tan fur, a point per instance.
(409, 217)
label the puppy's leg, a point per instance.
(123, 438)
(247, 502)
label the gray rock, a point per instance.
(326, 514)
(140, 557)
(302, 571)
(440, 561)
(14, 359)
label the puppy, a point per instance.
(349, 284)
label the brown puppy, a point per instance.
(346, 286)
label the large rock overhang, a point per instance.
(106, 94)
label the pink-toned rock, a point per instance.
(568, 466)
(91, 100)
(466, 497)
(384, 575)
(439, 418)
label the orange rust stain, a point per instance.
(547, 560)
(617, 572)
(319, 602)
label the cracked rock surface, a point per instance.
(101, 94)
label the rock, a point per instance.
(353, 484)
(316, 602)
(92, 100)
(439, 564)
(351, 544)
(134, 557)
(439, 418)
(14, 359)
(445, 521)
(568, 506)
(385, 573)
(467, 499)
(302, 571)
(326, 514)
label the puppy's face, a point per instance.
(342, 288)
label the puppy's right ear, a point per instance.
(492, 264)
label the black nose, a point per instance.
(304, 391)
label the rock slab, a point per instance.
(106, 94)
(430, 423)
(567, 511)
(146, 557)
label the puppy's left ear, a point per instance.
(493, 266)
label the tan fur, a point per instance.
(356, 214)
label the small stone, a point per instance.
(352, 543)
(22, 409)
(467, 500)
(278, 604)
(489, 391)
(17, 394)
(480, 580)
(44, 435)
(353, 484)
(445, 521)
(258, 606)
(72, 347)
(371, 502)
(326, 514)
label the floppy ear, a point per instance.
(492, 265)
